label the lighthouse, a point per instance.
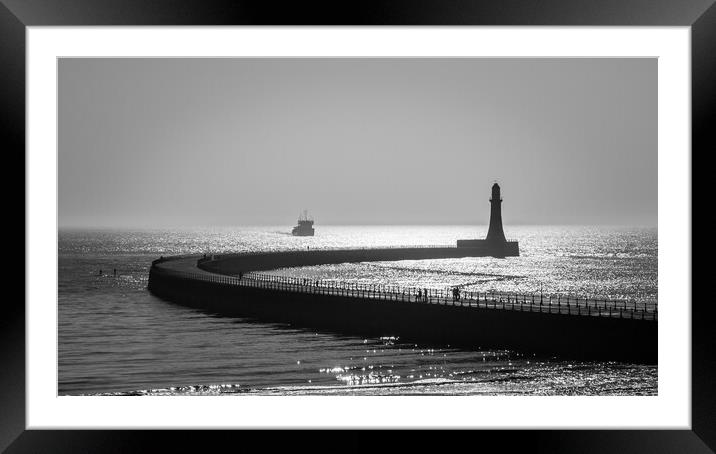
(495, 234)
(495, 244)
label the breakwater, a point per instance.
(260, 261)
(541, 324)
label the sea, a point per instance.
(116, 338)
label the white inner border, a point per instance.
(670, 409)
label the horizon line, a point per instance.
(210, 226)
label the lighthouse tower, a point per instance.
(495, 234)
(495, 244)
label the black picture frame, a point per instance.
(700, 15)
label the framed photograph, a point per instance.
(491, 207)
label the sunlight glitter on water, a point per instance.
(115, 337)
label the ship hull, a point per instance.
(303, 233)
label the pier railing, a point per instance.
(521, 302)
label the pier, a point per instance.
(543, 324)
(233, 264)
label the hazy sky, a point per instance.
(202, 142)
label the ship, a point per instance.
(304, 227)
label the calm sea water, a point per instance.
(116, 338)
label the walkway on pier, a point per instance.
(225, 270)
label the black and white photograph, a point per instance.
(299, 226)
(472, 217)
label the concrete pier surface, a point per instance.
(579, 329)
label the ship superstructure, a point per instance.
(305, 225)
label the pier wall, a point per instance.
(499, 249)
(236, 263)
(566, 336)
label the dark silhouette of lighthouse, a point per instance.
(495, 234)
(495, 245)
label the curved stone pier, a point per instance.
(593, 329)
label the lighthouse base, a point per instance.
(496, 249)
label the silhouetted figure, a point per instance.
(241, 274)
(456, 294)
(420, 294)
(426, 294)
(100, 271)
